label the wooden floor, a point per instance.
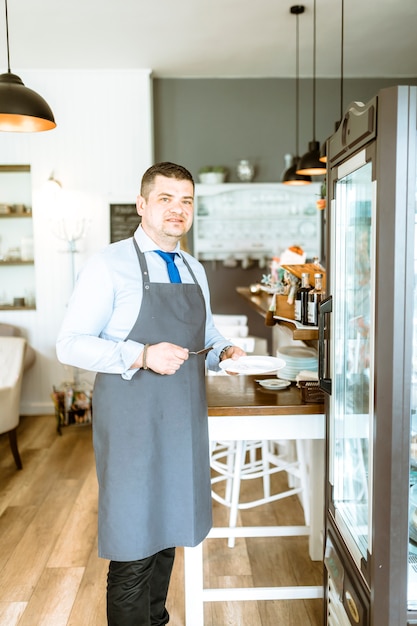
(50, 574)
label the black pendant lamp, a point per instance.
(309, 164)
(290, 176)
(323, 149)
(22, 110)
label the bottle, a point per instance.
(301, 300)
(315, 296)
(269, 317)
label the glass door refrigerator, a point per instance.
(368, 364)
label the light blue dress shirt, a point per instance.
(105, 304)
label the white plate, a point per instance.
(285, 376)
(274, 383)
(297, 352)
(252, 365)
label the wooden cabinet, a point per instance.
(17, 267)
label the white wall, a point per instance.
(101, 146)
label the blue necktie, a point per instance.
(169, 258)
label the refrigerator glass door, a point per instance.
(412, 552)
(351, 402)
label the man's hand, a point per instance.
(234, 352)
(162, 358)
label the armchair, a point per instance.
(8, 330)
(12, 355)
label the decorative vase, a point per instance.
(245, 171)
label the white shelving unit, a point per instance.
(255, 221)
(17, 269)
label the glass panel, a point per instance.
(352, 357)
(412, 553)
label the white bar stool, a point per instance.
(234, 461)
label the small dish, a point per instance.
(274, 383)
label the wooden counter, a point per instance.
(241, 395)
(260, 303)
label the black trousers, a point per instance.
(137, 590)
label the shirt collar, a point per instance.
(146, 244)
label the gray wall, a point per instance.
(219, 121)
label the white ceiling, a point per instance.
(212, 38)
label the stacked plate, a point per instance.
(296, 358)
(252, 365)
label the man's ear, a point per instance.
(140, 205)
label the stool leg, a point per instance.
(304, 478)
(193, 586)
(252, 454)
(234, 503)
(290, 453)
(265, 468)
(230, 471)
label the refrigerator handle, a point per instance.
(325, 308)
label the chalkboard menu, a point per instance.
(124, 220)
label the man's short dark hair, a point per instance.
(167, 169)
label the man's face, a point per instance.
(167, 214)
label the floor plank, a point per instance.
(89, 607)
(78, 534)
(53, 597)
(11, 612)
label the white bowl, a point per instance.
(212, 178)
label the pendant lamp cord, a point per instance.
(297, 86)
(342, 44)
(7, 37)
(314, 73)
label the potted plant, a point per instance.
(212, 174)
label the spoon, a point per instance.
(204, 351)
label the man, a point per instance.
(129, 323)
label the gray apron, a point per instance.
(150, 435)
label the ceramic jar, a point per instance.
(245, 171)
